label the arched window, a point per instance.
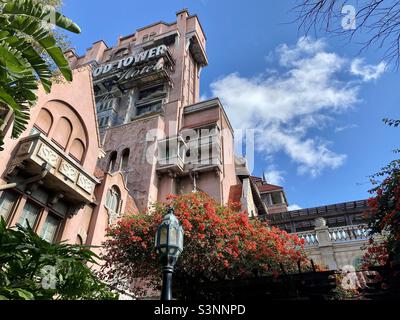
(113, 200)
(63, 133)
(112, 162)
(77, 150)
(44, 121)
(124, 159)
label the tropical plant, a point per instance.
(34, 269)
(25, 35)
(221, 243)
(384, 212)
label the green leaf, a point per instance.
(45, 39)
(21, 116)
(43, 13)
(12, 61)
(29, 53)
(25, 34)
(23, 294)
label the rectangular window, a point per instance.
(149, 108)
(50, 228)
(30, 215)
(151, 92)
(267, 199)
(7, 203)
(276, 198)
(101, 122)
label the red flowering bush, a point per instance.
(220, 243)
(376, 255)
(384, 212)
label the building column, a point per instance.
(271, 203)
(325, 244)
(293, 227)
(283, 201)
(42, 219)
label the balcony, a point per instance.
(65, 176)
(171, 156)
(200, 155)
(207, 154)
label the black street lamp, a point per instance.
(169, 245)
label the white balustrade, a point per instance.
(310, 237)
(338, 234)
(349, 233)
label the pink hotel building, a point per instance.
(127, 131)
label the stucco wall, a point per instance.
(141, 177)
(71, 99)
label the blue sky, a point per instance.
(315, 103)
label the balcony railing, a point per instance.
(65, 176)
(348, 233)
(336, 235)
(174, 163)
(310, 237)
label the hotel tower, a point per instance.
(129, 130)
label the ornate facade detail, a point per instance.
(73, 210)
(85, 184)
(13, 169)
(32, 187)
(25, 148)
(68, 170)
(112, 217)
(48, 155)
(55, 198)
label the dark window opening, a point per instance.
(276, 198)
(125, 159)
(149, 108)
(112, 162)
(151, 92)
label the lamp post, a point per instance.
(169, 245)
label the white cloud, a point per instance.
(274, 177)
(311, 154)
(367, 72)
(294, 207)
(347, 127)
(305, 93)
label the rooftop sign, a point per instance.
(130, 61)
